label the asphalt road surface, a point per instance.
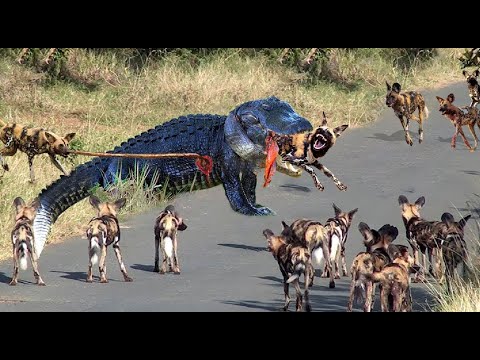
(222, 254)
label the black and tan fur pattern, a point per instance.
(167, 224)
(33, 142)
(304, 150)
(23, 241)
(423, 235)
(458, 117)
(293, 260)
(394, 281)
(404, 105)
(316, 237)
(454, 248)
(102, 232)
(473, 86)
(366, 263)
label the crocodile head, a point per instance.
(247, 126)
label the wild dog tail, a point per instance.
(95, 250)
(168, 246)
(22, 254)
(376, 277)
(63, 193)
(298, 271)
(426, 112)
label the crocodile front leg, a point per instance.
(249, 184)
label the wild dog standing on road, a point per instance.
(394, 279)
(404, 104)
(473, 86)
(23, 240)
(33, 142)
(294, 261)
(305, 149)
(368, 262)
(317, 238)
(460, 118)
(167, 224)
(423, 235)
(454, 248)
(102, 232)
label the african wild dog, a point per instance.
(454, 248)
(460, 118)
(304, 150)
(33, 141)
(23, 240)
(317, 238)
(102, 232)
(394, 279)
(366, 263)
(423, 235)
(167, 224)
(293, 260)
(473, 86)
(404, 104)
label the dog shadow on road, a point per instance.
(245, 247)
(396, 136)
(78, 276)
(142, 267)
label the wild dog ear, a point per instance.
(19, 204)
(69, 137)
(465, 73)
(352, 213)
(439, 99)
(285, 226)
(388, 86)
(402, 200)
(35, 203)
(451, 98)
(366, 232)
(324, 119)
(268, 233)
(51, 138)
(388, 232)
(181, 225)
(420, 202)
(447, 218)
(463, 222)
(120, 203)
(397, 87)
(336, 209)
(476, 73)
(339, 130)
(94, 201)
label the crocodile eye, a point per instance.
(266, 106)
(250, 119)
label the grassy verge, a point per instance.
(121, 101)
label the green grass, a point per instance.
(121, 101)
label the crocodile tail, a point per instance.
(63, 193)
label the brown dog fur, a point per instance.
(473, 86)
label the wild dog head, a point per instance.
(275, 242)
(323, 138)
(172, 213)
(380, 239)
(471, 78)
(446, 105)
(345, 219)
(24, 211)
(58, 145)
(406, 261)
(107, 208)
(393, 92)
(410, 210)
(454, 247)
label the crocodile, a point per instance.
(235, 142)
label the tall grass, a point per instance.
(112, 98)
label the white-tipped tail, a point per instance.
(94, 250)
(335, 247)
(427, 112)
(292, 278)
(23, 257)
(318, 255)
(168, 246)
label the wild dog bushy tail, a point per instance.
(94, 252)
(298, 271)
(22, 255)
(168, 246)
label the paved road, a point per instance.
(224, 264)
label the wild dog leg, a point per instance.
(471, 127)
(176, 266)
(316, 181)
(344, 262)
(352, 294)
(55, 162)
(163, 269)
(156, 268)
(285, 291)
(90, 262)
(408, 139)
(15, 267)
(462, 134)
(22, 55)
(7, 151)
(308, 307)
(118, 254)
(34, 261)
(299, 302)
(102, 267)
(383, 300)
(326, 257)
(368, 296)
(329, 174)
(30, 165)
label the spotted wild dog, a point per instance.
(33, 142)
(374, 259)
(102, 232)
(473, 86)
(394, 281)
(404, 104)
(167, 224)
(454, 248)
(458, 117)
(294, 261)
(318, 239)
(23, 240)
(304, 150)
(423, 235)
